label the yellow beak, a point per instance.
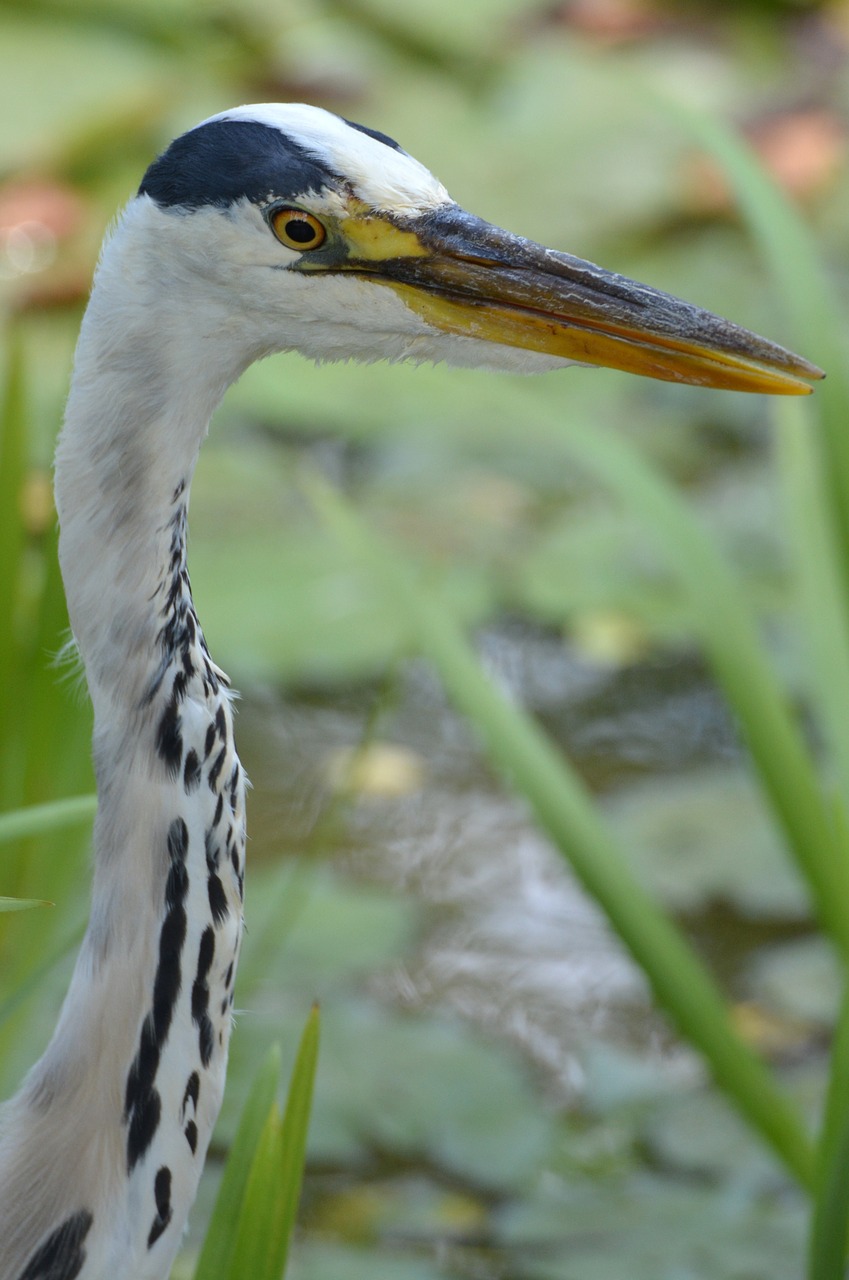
(465, 276)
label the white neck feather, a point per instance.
(144, 388)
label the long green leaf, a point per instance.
(827, 1248)
(814, 462)
(274, 1187)
(818, 579)
(34, 979)
(254, 1254)
(219, 1246)
(813, 313)
(293, 1154)
(22, 904)
(254, 1214)
(566, 812)
(13, 438)
(723, 619)
(36, 819)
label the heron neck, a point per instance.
(135, 420)
(112, 1124)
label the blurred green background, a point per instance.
(496, 1097)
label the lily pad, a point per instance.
(416, 1086)
(405, 1207)
(698, 1133)
(318, 1260)
(649, 1228)
(425, 1089)
(596, 559)
(799, 979)
(706, 838)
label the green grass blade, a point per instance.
(34, 979)
(818, 582)
(293, 1154)
(565, 810)
(827, 1246)
(810, 303)
(37, 819)
(13, 445)
(22, 904)
(253, 1255)
(254, 1214)
(219, 1246)
(274, 1187)
(723, 619)
(57, 726)
(13, 442)
(815, 466)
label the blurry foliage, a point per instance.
(434, 1154)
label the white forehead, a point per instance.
(380, 175)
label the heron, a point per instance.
(272, 227)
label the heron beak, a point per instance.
(465, 276)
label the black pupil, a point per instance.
(300, 230)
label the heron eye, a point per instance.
(297, 229)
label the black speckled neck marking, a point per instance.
(142, 1101)
(229, 160)
(162, 1199)
(62, 1255)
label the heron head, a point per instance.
(318, 235)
